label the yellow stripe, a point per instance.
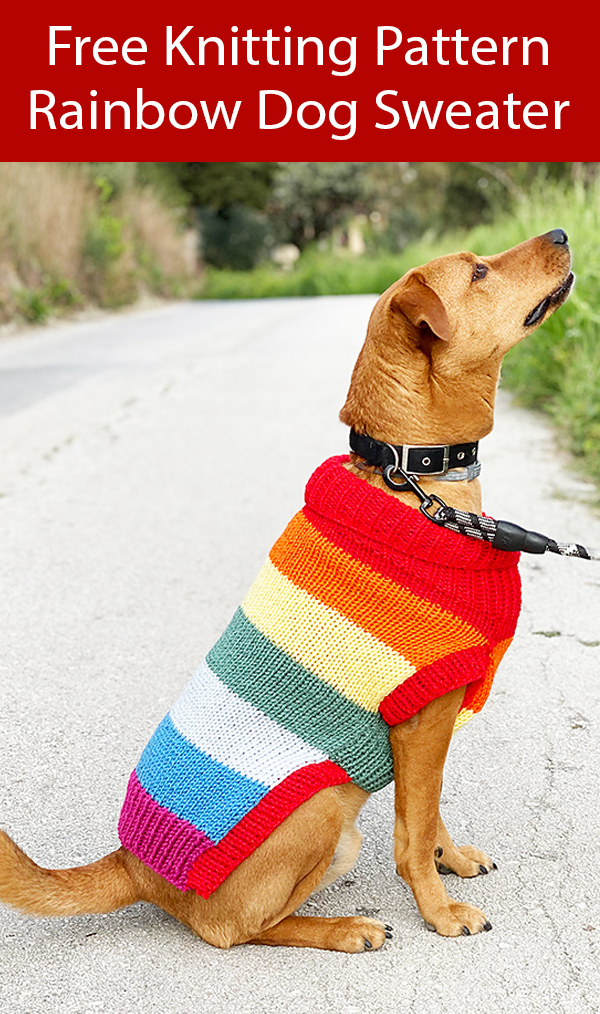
(418, 628)
(462, 718)
(332, 647)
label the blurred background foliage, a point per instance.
(109, 233)
(315, 202)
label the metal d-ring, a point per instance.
(388, 471)
(410, 483)
(396, 465)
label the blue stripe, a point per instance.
(193, 786)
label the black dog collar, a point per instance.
(414, 458)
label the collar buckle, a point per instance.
(419, 460)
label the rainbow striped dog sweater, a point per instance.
(363, 613)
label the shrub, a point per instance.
(71, 232)
(235, 237)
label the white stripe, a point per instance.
(235, 733)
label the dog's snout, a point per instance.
(557, 236)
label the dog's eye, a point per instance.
(479, 271)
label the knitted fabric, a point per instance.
(363, 613)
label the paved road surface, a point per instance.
(148, 461)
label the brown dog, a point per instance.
(427, 375)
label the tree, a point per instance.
(226, 201)
(309, 199)
(219, 185)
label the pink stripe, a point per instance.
(164, 842)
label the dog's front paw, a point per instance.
(464, 860)
(460, 920)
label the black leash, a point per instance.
(501, 534)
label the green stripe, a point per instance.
(265, 676)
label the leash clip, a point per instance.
(426, 504)
(410, 483)
(503, 535)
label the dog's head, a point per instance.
(481, 306)
(442, 331)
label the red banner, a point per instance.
(134, 81)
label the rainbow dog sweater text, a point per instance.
(363, 613)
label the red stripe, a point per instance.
(334, 492)
(433, 681)
(211, 868)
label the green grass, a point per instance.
(319, 273)
(36, 305)
(557, 369)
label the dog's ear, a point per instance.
(418, 302)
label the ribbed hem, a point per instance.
(339, 495)
(434, 681)
(163, 841)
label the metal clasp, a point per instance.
(411, 483)
(424, 508)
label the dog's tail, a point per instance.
(102, 886)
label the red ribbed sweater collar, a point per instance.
(340, 496)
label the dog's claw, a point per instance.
(494, 866)
(389, 928)
(487, 926)
(438, 852)
(483, 869)
(466, 932)
(443, 869)
(388, 935)
(368, 945)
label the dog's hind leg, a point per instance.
(350, 799)
(256, 902)
(343, 934)
(420, 746)
(340, 934)
(349, 934)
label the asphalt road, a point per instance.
(147, 463)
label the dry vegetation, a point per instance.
(68, 238)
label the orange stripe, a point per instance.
(478, 692)
(420, 630)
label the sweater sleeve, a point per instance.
(473, 666)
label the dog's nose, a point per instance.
(557, 236)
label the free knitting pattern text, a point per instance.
(273, 50)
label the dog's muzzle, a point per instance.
(555, 299)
